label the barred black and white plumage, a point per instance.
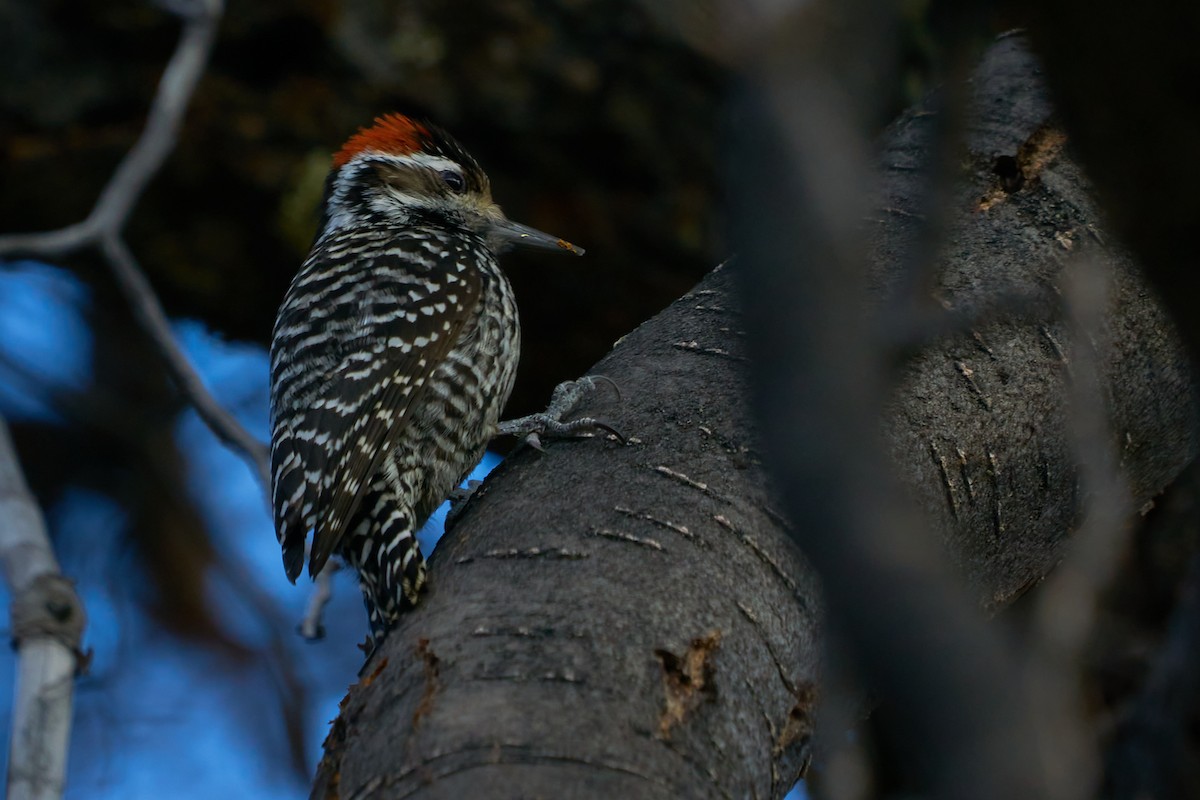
(393, 354)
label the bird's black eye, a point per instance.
(453, 180)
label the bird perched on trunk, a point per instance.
(393, 354)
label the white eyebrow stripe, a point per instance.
(426, 160)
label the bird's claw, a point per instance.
(549, 422)
(461, 494)
(458, 498)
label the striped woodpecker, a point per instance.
(393, 354)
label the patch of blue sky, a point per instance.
(178, 719)
(798, 792)
(431, 533)
(45, 342)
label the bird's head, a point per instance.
(401, 172)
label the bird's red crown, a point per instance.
(391, 133)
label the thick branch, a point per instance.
(820, 380)
(627, 618)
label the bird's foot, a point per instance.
(549, 422)
(461, 494)
(458, 498)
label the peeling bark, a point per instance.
(687, 680)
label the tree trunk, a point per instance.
(609, 620)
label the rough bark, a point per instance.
(978, 424)
(606, 620)
(612, 620)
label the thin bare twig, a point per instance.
(47, 622)
(175, 90)
(146, 157)
(150, 314)
(104, 225)
(311, 627)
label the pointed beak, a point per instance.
(507, 233)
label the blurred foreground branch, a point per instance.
(803, 176)
(47, 625)
(105, 225)
(978, 426)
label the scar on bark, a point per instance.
(799, 724)
(687, 680)
(367, 680)
(1015, 172)
(430, 661)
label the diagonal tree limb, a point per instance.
(175, 90)
(149, 313)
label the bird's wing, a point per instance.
(410, 309)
